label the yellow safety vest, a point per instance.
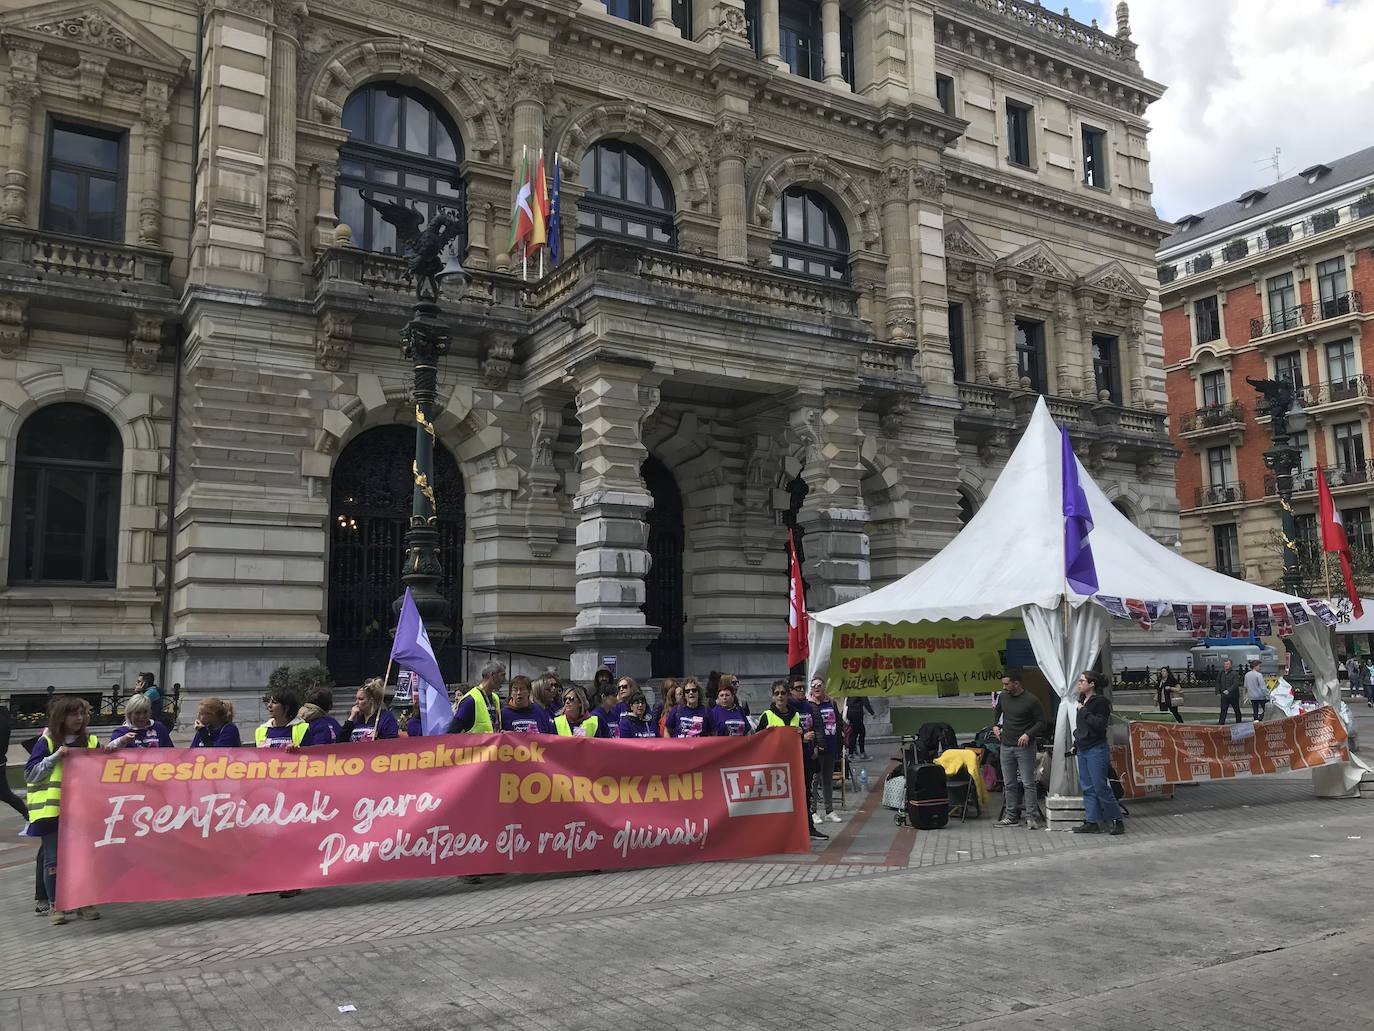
(45, 796)
(298, 731)
(772, 719)
(589, 726)
(481, 716)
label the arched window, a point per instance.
(1124, 509)
(401, 147)
(628, 195)
(66, 498)
(813, 240)
(966, 508)
(663, 606)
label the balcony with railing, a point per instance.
(1219, 494)
(1303, 480)
(1304, 315)
(78, 269)
(1352, 392)
(1212, 420)
(1338, 477)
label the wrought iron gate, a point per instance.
(663, 584)
(369, 512)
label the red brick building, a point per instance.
(1273, 284)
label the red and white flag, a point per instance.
(1334, 539)
(798, 648)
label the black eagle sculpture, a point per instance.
(423, 248)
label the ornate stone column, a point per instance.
(281, 169)
(730, 149)
(830, 43)
(978, 305)
(615, 394)
(1134, 358)
(663, 18)
(893, 187)
(155, 118)
(926, 235)
(20, 91)
(1009, 290)
(768, 33)
(1067, 356)
(530, 83)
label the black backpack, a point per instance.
(932, 739)
(927, 797)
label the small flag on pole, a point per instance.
(539, 206)
(521, 212)
(798, 647)
(555, 218)
(1334, 538)
(411, 650)
(1080, 572)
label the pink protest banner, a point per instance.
(179, 824)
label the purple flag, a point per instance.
(411, 650)
(1079, 569)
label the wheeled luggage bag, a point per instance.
(927, 797)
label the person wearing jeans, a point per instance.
(1094, 755)
(830, 737)
(1021, 724)
(1256, 690)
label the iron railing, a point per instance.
(1232, 413)
(1338, 390)
(1306, 314)
(1219, 494)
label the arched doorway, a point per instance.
(663, 584)
(369, 511)
(967, 508)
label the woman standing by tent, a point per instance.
(1090, 739)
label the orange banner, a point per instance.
(1131, 786)
(1175, 753)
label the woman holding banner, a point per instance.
(608, 719)
(670, 697)
(369, 719)
(727, 719)
(283, 727)
(215, 727)
(690, 717)
(522, 714)
(140, 730)
(574, 720)
(324, 728)
(69, 721)
(635, 722)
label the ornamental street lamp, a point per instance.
(424, 340)
(1280, 403)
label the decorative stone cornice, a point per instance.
(731, 138)
(144, 346)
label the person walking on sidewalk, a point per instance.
(1168, 691)
(1256, 690)
(855, 708)
(1022, 725)
(1228, 690)
(1094, 754)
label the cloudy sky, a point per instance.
(1244, 77)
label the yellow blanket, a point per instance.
(964, 760)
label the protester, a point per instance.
(781, 714)
(139, 729)
(625, 688)
(548, 693)
(608, 720)
(1022, 724)
(1256, 690)
(215, 727)
(522, 714)
(807, 720)
(146, 684)
(829, 735)
(68, 728)
(324, 728)
(479, 710)
(670, 697)
(1094, 755)
(726, 718)
(1228, 690)
(603, 675)
(413, 727)
(575, 720)
(690, 717)
(634, 721)
(369, 719)
(1168, 692)
(283, 727)
(7, 794)
(855, 708)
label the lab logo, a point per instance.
(757, 790)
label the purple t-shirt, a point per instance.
(380, 728)
(632, 727)
(608, 720)
(413, 728)
(278, 737)
(323, 731)
(533, 720)
(806, 713)
(830, 723)
(727, 722)
(685, 722)
(154, 735)
(226, 736)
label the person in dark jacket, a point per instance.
(1021, 725)
(855, 708)
(808, 718)
(829, 741)
(146, 684)
(1094, 755)
(1228, 688)
(7, 794)
(634, 721)
(1167, 692)
(369, 719)
(215, 727)
(607, 718)
(324, 728)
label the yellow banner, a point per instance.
(943, 657)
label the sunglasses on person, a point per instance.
(780, 693)
(622, 687)
(692, 690)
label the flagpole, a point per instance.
(377, 716)
(1326, 571)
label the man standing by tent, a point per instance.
(1022, 724)
(1228, 687)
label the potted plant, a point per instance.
(1364, 207)
(1235, 250)
(1278, 235)
(1324, 220)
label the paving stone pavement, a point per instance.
(1210, 913)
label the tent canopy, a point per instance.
(1011, 554)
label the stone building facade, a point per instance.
(1272, 285)
(818, 261)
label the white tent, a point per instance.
(1009, 561)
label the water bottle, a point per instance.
(863, 779)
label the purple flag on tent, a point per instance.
(1079, 569)
(411, 650)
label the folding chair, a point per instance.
(963, 793)
(839, 778)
